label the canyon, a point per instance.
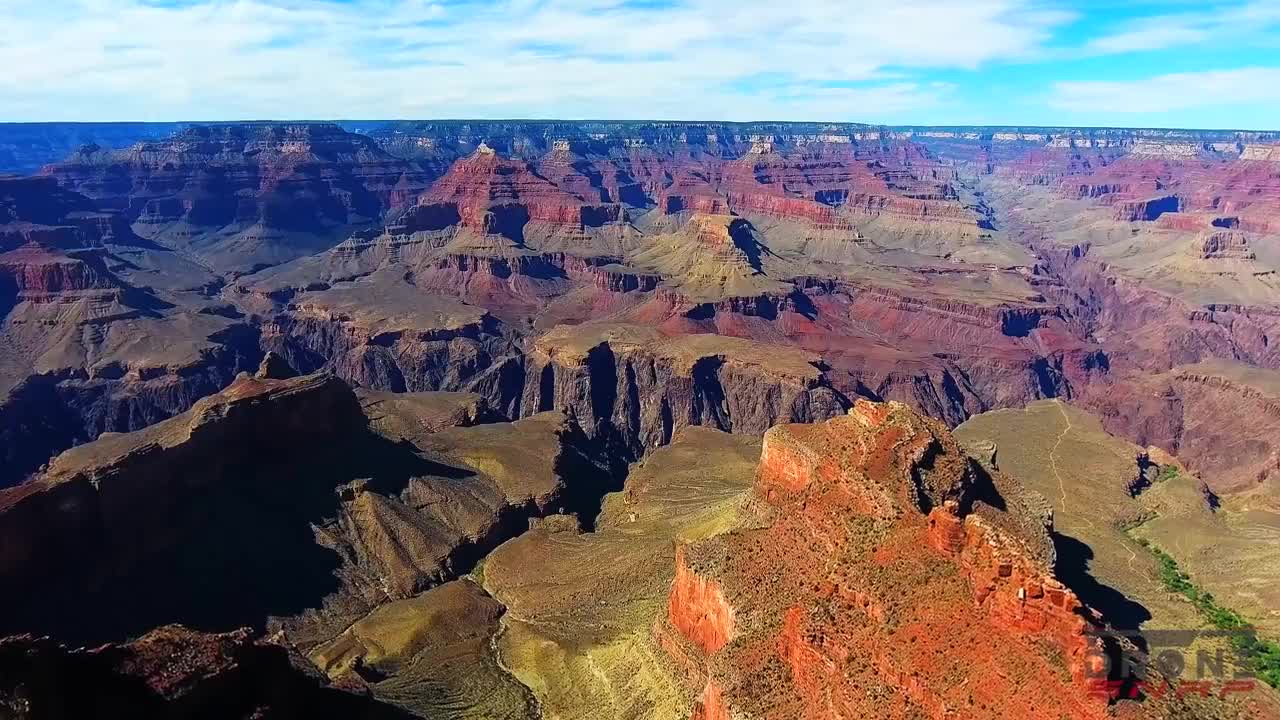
(659, 413)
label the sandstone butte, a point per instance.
(592, 300)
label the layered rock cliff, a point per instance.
(325, 518)
(101, 331)
(243, 196)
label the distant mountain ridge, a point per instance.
(26, 147)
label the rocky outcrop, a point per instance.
(392, 337)
(1147, 210)
(874, 536)
(95, 338)
(103, 512)
(629, 382)
(1194, 411)
(56, 243)
(33, 273)
(1223, 245)
(697, 608)
(1015, 592)
(1261, 153)
(47, 413)
(507, 193)
(713, 258)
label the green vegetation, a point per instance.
(1167, 473)
(1263, 655)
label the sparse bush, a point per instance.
(1263, 654)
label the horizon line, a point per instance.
(515, 120)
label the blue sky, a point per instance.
(1018, 62)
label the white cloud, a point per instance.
(1219, 23)
(1254, 86)
(206, 59)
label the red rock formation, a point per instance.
(883, 587)
(1013, 591)
(495, 195)
(697, 608)
(711, 705)
(1152, 181)
(811, 183)
(40, 275)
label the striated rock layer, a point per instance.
(99, 330)
(324, 519)
(243, 196)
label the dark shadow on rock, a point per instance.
(1122, 639)
(218, 552)
(1073, 568)
(984, 488)
(593, 468)
(227, 676)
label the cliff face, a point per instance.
(620, 292)
(511, 197)
(102, 331)
(623, 382)
(1213, 181)
(629, 382)
(93, 530)
(243, 196)
(326, 520)
(883, 506)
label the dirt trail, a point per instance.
(1126, 543)
(1053, 463)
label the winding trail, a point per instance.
(1053, 462)
(1062, 498)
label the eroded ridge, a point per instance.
(878, 582)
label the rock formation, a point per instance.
(101, 330)
(357, 516)
(239, 197)
(894, 255)
(823, 585)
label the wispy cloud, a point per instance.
(147, 59)
(1171, 92)
(1234, 23)
(874, 60)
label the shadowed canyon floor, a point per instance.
(632, 419)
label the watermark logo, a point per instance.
(1154, 663)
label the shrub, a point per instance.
(1263, 654)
